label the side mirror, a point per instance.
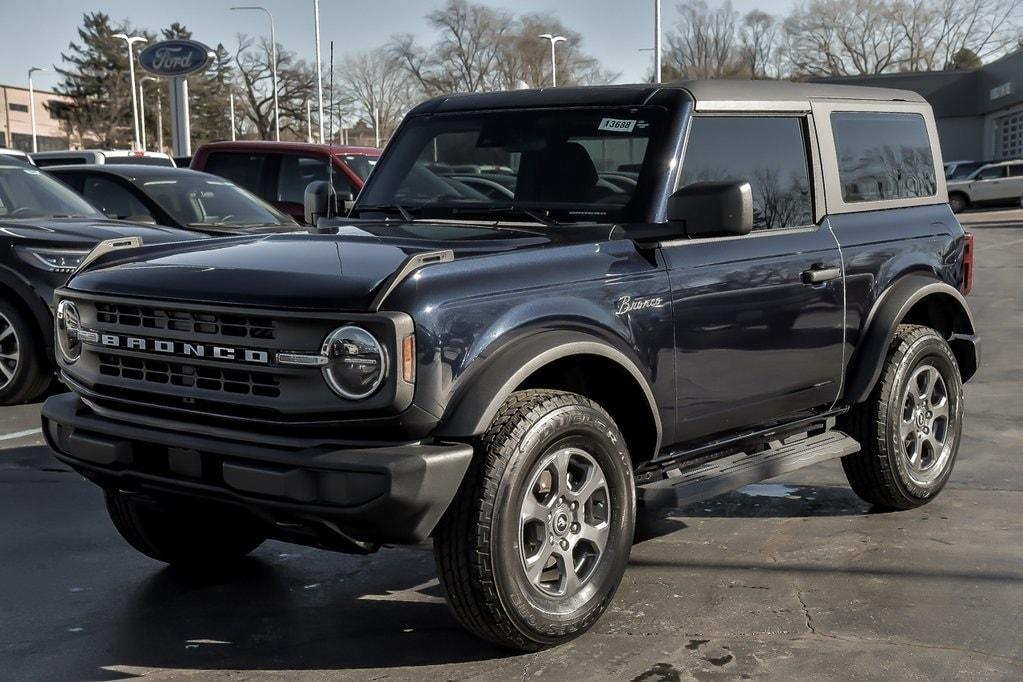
(317, 200)
(713, 209)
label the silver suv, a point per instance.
(994, 183)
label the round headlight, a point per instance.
(356, 363)
(67, 327)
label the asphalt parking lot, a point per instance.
(790, 579)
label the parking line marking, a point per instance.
(20, 434)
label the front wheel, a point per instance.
(533, 548)
(910, 426)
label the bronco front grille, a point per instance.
(189, 321)
(236, 381)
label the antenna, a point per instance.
(331, 192)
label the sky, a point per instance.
(33, 33)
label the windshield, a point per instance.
(564, 165)
(27, 192)
(362, 165)
(206, 200)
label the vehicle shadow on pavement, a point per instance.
(754, 501)
(267, 617)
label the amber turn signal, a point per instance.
(408, 359)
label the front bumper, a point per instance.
(366, 495)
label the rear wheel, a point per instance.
(958, 202)
(910, 426)
(534, 546)
(199, 539)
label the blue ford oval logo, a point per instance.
(175, 57)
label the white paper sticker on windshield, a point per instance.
(617, 125)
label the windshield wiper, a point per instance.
(542, 218)
(393, 208)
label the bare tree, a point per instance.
(704, 43)
(466, 57)
(296, 85)
(526, 58)
(758, 38)
(854, 37)
(375, 82)
(843, 37)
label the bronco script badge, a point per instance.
(626, 304)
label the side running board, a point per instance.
(685, 486)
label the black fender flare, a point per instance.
(471, 411)
(888, 312)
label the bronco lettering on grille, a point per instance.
(179, 348)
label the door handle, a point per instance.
(821, 273)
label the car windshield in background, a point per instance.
(27, 192)
(538, 165)
(361, 164)
(212, 201)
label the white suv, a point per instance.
(995, 183)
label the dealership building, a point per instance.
(16, 120)
(979, 111)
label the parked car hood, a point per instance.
(86, 232)
(338, 271)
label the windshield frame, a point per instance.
(59, 194)
(639, 208)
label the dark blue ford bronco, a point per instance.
(544, 308)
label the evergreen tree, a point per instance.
(95, 77)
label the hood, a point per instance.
(337, 271)
(85, 232)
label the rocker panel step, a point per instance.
(720, 476)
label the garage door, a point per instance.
(1009, 137)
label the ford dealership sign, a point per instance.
(175, 57)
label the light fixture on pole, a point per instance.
(273, 66)
(319, 67)
(131, 40)
(32, 105)
(554, 40)
(657, 41)
(142, 107)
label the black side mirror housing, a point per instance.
(319, 202)
(713, 209)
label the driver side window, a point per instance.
(768, 152)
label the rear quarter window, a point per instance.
(883, 156)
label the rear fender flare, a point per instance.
(889, 311)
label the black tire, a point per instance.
(882, 473)
(27, 376)
(958, 202)
(479, 543)
(198, 539)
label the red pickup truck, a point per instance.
(278, 172)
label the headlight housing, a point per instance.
(356, 362)
(64, 261)
(67, 328)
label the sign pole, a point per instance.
(181, 135)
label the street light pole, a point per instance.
(233, 129)
(554, 40)
(131, 40)
(273, 66)
(657, 41)
(142, 107)
(32, 105)
(319, 67)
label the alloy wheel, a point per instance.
(10, 351)
(564, 522)
(924, 424)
